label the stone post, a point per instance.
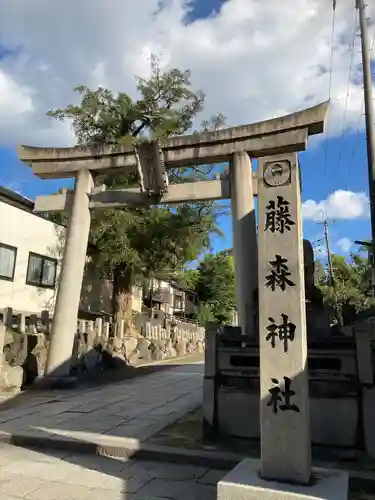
(148, 330)
(106, 331)
(8, 317)
(244, 239)
(21, 323)
(45, 318)
(69, 290)
(33, 322)
(82, 326)
(2, 340)
(285, 417)
(121, 332)
(99, 327)
(90, 333)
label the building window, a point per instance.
(41, 271)
(178, 302)
(8, 256)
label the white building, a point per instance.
(31, 250)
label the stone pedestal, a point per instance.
(244, 483)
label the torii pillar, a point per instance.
(64, 323)
(245, 246)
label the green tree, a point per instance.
(319, 273)
(216, 286)
(351, 284)
(204, 314)
(187, 278)
(134, 243)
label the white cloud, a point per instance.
(254, 59)
(14, 99)
(344, 244)
(339, 205)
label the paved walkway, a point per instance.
(49, 475)
(135, 408)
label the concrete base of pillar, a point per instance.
(55, 382)
(244, 483)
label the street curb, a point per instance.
(136, 449)
(128, 448)
(171, 360)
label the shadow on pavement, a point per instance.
(98, 476)
(91, 419)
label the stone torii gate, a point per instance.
(236, 145)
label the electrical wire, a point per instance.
(354, 150)
(330, 80)
(358, 128)
(351, 49)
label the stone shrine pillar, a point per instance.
(245, 247)
(64, 323)
(285, 416)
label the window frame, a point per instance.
(45, 258)
(178, 299)
(15, 250)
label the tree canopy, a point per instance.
(139, 242)
(351, 284)
(214, 282)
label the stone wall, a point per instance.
(96, 348)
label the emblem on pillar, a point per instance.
(277, 174)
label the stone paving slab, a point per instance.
(135, 408)
(51, 475)
(104, 420)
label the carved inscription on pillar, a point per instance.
(285, 432)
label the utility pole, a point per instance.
(328, 250)
(370, 132)
(329, 256)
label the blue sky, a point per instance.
(320, 179)
(227, 40)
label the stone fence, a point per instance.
(158, 328)
(24, 343)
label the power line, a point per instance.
(351, 49)
(369, 114)
(330, 79)
(358, 128)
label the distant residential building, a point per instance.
(169, 297)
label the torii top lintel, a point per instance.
(284, 134)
